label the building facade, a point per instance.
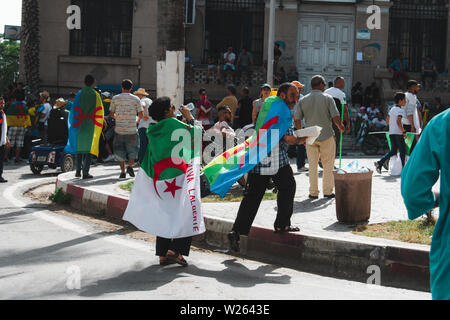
(118, 38)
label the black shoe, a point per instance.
(378, 167)
(88, 176)
(130, 171)
(330, 196)
(2, 180)
(386, 165)
(122, 176)
(78, 174)
(233, 237)
(313, 197)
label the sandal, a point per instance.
(166, 262)
(288, 229)
(177, 258)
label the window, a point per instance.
(106, 28)
(239, 23)
(418, 28)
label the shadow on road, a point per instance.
(153, 277)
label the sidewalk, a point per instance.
(322, 246)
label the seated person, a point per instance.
(398, 66)
(229, 59)
(372, 111)
(429, 71)
(379, 124)
(57, 123)
(213, 66)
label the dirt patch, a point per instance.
(419, 231)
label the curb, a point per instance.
(398, 266)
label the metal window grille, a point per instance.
(239, 23)
(106, 28)
(418, 28)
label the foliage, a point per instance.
(60, 197)
(9, 62)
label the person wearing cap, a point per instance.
(412, 121)
(106, 99)
(58, 131)
(204, 110)
(300, 149)
(144, 122)
(265, 92)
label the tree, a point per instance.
(30, 44)
(171, 46)
(9, 62)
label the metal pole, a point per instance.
(271, 43)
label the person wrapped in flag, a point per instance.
(264, 156)
(166, 196)
(85, 127)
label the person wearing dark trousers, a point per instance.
(172, 248)
(301, 158)
(397, 132)
(276, 166)
(83, 164)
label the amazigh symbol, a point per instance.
(163, 165)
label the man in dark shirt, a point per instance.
(245, 107)
(244, 64)
(429, 71)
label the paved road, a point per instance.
(48, 256)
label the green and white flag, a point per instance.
(166, 199)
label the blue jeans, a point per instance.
(143, 142)
(83, 162)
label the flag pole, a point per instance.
(342, 134)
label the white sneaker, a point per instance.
(109, 158)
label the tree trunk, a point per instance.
(171, 46)
(30, 43)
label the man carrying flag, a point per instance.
(85, 127)
(275, 165)
(166, 198)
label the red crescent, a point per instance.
(164, 164)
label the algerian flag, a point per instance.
(408, 141)
(165, 200)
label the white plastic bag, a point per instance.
(395, 165)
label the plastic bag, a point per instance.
(353, 167)
(395, 165)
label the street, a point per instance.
(48, 256)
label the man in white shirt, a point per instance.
(379, 123)
(338, 94)
(144, 122)
(412, 121)
(229, 58)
